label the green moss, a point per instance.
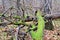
(38, 34)
(16, 16)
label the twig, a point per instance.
(6, 10)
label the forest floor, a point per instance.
(6, 34)
(53, 34)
